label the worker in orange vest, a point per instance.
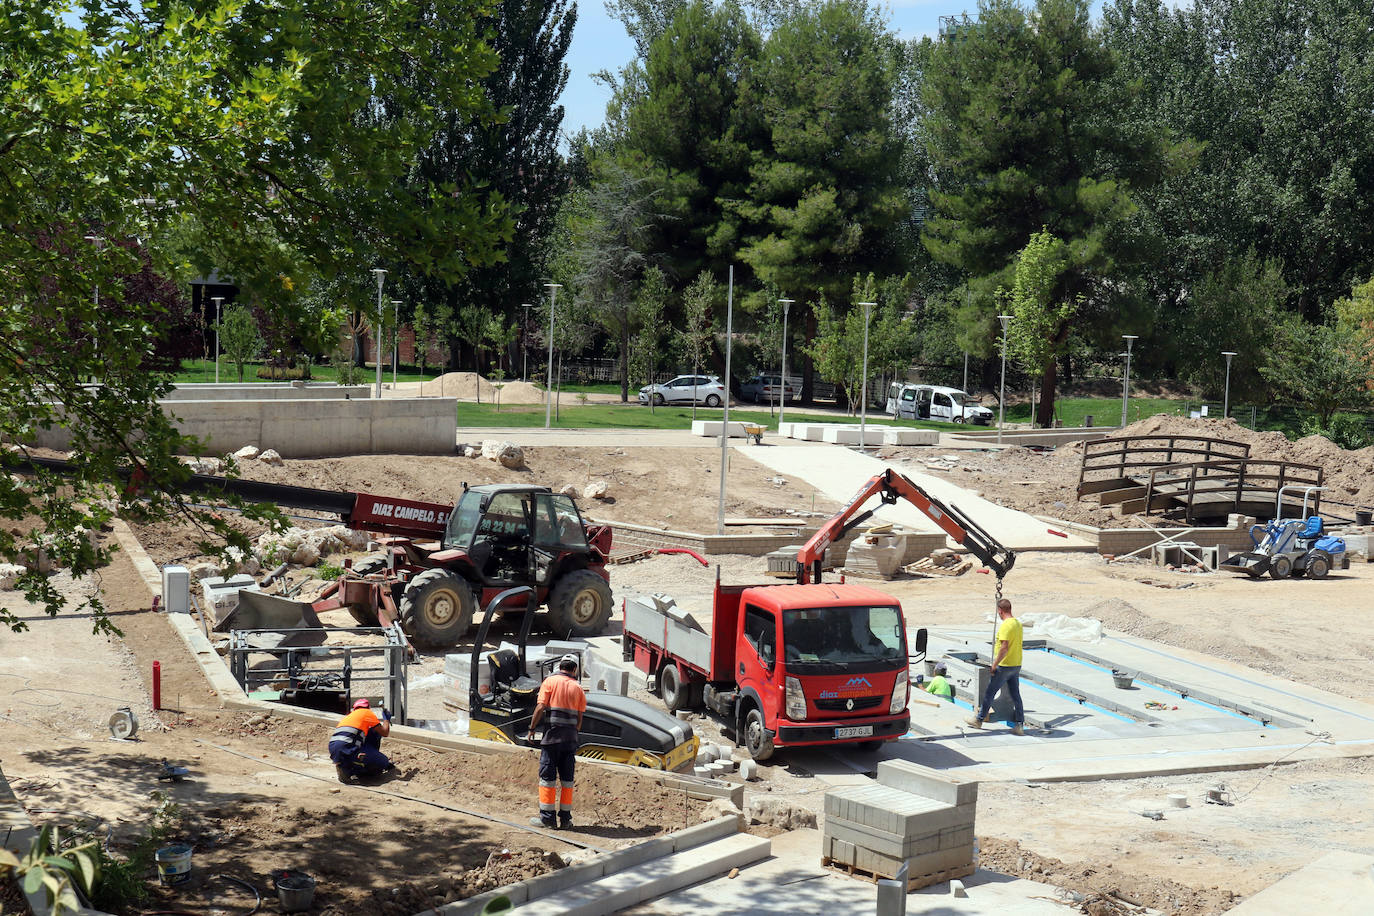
(563, 701)
(356, 745)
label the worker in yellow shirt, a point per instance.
(1006, 670)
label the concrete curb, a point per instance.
(613, 863)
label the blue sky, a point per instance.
(600, 43)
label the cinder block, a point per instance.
(883, 808)
(889, 844)
(922, 780)
(888, 866)
(607, 678)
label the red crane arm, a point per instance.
(890, 486)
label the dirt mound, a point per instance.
(469, 386)
(1099, 888)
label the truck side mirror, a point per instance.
(921, 638)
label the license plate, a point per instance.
(857, 731)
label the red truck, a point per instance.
(802, 664)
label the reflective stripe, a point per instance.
(348, 733)
(547, 784)
(562, 717)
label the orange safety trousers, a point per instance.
(556, 765)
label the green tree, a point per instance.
(1317, 367)
(1355, 318)
(698, 333)
(688, 128)
(1041, 314)
(825, 195)
(651, 306)
(239, 337)
(1278, 93)
(1021, 137)
(247, 115)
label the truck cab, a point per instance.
(785, 665)
(814, 664)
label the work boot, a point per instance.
(975, 723)
(540, 822)
(344, 774)
(565, 823)
(1016, 729)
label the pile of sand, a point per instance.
(469, 386)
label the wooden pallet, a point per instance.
(912, 883)
(632, 557)
(928, 567)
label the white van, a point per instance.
(906, 401)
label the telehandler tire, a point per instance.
(437, 608)
(579, 605)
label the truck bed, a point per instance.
(681, 633)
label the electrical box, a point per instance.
(176, 589)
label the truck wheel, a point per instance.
(756, 738)
(676, 695)
(580, 604)
(437, 607)
(1318, 566)
(365, 567)
(1281, 568)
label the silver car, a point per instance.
(685, 389)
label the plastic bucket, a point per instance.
(295, 890)
(1122, 679)
(174, 864)
(1363, 517)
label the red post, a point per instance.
(157, 685)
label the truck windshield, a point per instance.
(818, 640)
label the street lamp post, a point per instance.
(217, 300)
(782, 396)
(1226, 398)
(525, 344)
(1126, 379)
(863, 383)
(1002, 397)
(395, 341)
(548, 403)
(380, 274)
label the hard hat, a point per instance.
(567, 660)
(362, 704)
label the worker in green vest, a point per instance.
(939, 685)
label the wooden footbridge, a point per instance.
(1193, 477)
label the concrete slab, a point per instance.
(711, 429)
(1338, 884)
(791, 882)
(839, 472)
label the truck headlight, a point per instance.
(796, 700)
(900, 692)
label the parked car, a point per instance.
(764, 389)
(906, 401)
(685, 389)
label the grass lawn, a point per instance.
(631, 416)
(1104, 411)
(203, 370)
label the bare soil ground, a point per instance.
(277, 806)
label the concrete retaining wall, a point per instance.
(311, 428)
(1052, 438)
(1118, 541)
(266, 391)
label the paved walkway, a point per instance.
(839, 473)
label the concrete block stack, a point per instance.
(876, 556)
(914, 817)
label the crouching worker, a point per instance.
(356, 745)
(563, 701)
(939, 684)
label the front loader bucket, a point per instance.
(257, 611)
(1250, 563)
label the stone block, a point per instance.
(886, 809)
(892, 895)
(896, 845)
(956, 888)
(607, 678)
(748, 769)
(904, 435)
(176, 589)
(927, 782)
(711, 429)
